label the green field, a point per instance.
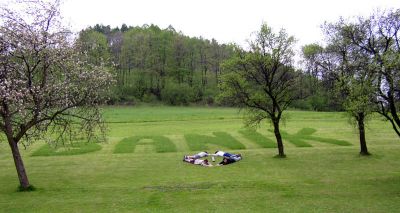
(140, 168)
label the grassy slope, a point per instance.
(321, 178)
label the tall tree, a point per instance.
(355, 74)
(204, 48)
(44, 84)
(359, 104)
(178, 71)
(115, 45)
(377, 36)
(319, 66)
(355, 55)
(95, 46)
(216, 58)
(262, 80)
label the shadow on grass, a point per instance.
(198, 142)
(280, 156)
(161, 144)
(76, 148)
(30, 188)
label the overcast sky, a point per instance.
(224, 20)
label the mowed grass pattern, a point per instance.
(299, 139)
(306, 134)
(75, 148)
(258, 138)
(198, 142)
(160, 143)
(326, 177)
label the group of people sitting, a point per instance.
(227, 158)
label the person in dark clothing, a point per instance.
(226, 161)
(228, 158)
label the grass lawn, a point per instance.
(140, 168)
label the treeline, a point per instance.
(163, 65)
(153, 64)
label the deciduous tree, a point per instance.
(378, 37)
(262, 80)
(45, 86)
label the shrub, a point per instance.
(177, 94)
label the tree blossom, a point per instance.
(47, 90)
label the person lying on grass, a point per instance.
(197, 161)
(197, 156)
(228, 158)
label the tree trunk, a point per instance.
(216, 74)
(393, 112)
(278, 138)
(361, 129)
(19, 165)
(204, 77)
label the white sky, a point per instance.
(224, 20)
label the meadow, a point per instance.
(140, 168)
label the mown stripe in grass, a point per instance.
(198, 142)
(161, 144)
(306, 133)
(258, 138)
(330, 141)
(299, 138)
(295, 139)
(76, 148)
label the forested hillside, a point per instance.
(164, 65)
(153, 64)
